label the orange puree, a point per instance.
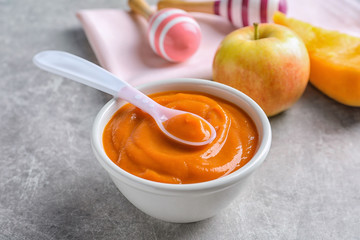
(188, 127)
(133, 141)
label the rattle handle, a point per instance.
(204, 7)
(141, 7)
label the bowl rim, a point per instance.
(215, 184)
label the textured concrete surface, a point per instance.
(51, 186)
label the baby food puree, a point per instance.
(133, 141)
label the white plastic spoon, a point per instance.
(85, 72)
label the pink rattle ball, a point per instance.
(173, 34)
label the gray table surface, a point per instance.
(51, 186)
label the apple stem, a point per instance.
(256, 31)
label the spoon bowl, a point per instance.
(90, 74)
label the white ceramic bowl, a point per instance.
(184, 202)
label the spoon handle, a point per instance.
(80, 70)
(90, 74)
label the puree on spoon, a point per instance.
(133, 141)
(188, 127)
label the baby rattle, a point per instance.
(239, 12)
(172, 33)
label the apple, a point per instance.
(267, 62)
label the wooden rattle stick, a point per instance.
(141, 7)
(203, 7)
(173, 34)
(239, 12)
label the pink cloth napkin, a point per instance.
(119, 42)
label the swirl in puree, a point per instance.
(133, 141)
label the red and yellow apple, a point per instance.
(267, 62)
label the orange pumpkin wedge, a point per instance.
(334, 59)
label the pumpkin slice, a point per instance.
(334, 59)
